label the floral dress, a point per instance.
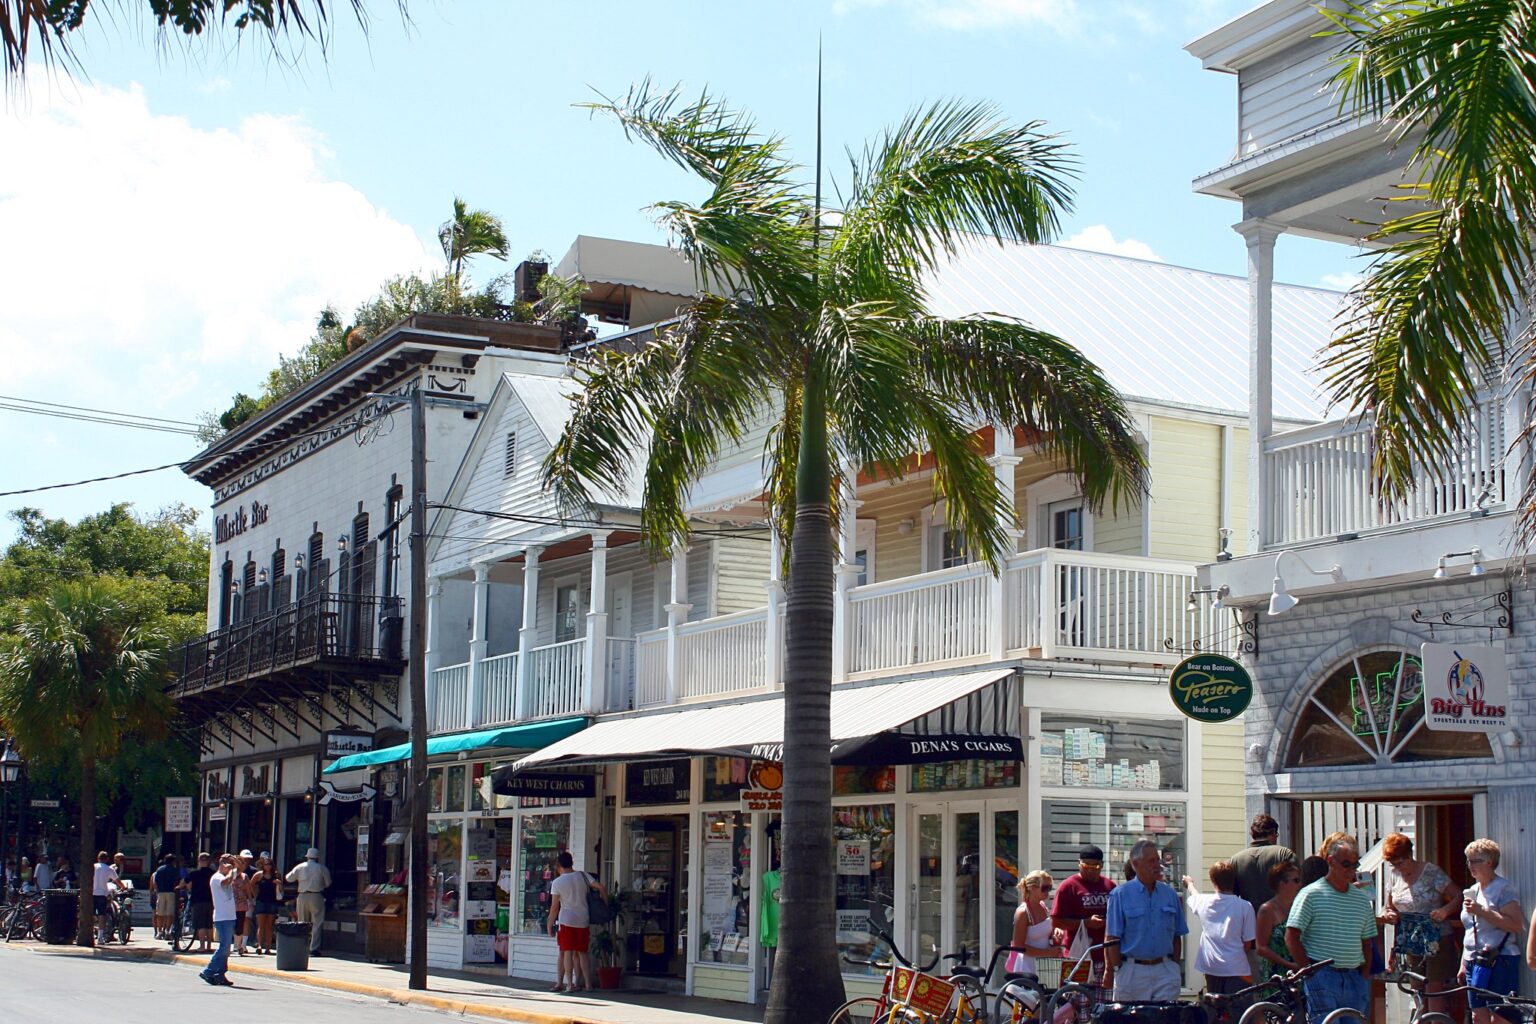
(1276, 944)
(1417, 934)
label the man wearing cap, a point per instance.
(311, 878)
(1080, 901)
(1144, 926)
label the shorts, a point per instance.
(202, 916)
(1505, 978)
(239, 921)
(267, 908)
(571, 939)
(165, 904)
(99, 905)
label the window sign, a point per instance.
(726, 877)
(866, 878)
(657, 782)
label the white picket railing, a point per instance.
(448, 708)
(558, 680)
(919, 620)
(722, 654)
(651, 668)
(1321, 481)
(498, 690)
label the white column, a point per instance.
(430, 656)
(595, 655)
(847, 572)
(1003, 462)
(525, 636)
(677, 614)
(477, 643)
(1260, 235)
(773, 668)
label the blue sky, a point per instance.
(173, 222)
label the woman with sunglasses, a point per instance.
(1226, 930)
(1421, 901)
(1032, 928)
(1273, 957)
(1490, 912)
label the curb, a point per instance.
(394, 995)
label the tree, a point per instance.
(469, 233)
(80, 669)
(819, 326)
(1428, 326)
(49, 25)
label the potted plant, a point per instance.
(608, 943)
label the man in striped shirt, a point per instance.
(1333, 920)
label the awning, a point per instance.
(977, 712)
(529, 736)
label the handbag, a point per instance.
(598, 911)
(1481, 961)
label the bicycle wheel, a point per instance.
(1265, 1013)
(1345, 1015)
(1436, 1017)
(856, 1011)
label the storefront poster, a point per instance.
(765, 787)
(718, 908)
(852, 926)
(178, 814)
(362, 847)
(1210, 688)
(1466, 688)
(853, 857)
(479, 949)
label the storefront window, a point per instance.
(444, 856)
(866, 877)
(1111, 753)
(437, 779)
(479, 786)
(724, 777)
(1113, 826)
(544, 837)
(725, 899)
(933, 778)
(647, 783)
(1371, 710)
(456, 774)
(859, 780)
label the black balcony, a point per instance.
(312, 640)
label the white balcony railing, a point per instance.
(558, 681)
(722, 654)
(934, 617)
(621, 673)
(498, 690)
(449, 702)
(651, 668)
(1320, 481)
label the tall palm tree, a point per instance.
(821, 329)
(79, 671)
(1456, 82)
(469, 233)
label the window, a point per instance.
(444, 847)
(392, 542)
(319, 568)
(944, 547)
(567, 612)
(724, 777)
(279, 563)
(865, 835)
(545, 837)
(1370, 710)
(509, 464)
(1113, 826)
(953, 550)
(946, 775)
(725, 920)
(226, 593)
(1111, 753)
(1066, 526)
(360, 531)
(864, 551)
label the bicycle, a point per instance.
(23, 918)
(1023, 998)
(181, 934)
(878, 1009)
(1290, 1004)
(1500, 1002)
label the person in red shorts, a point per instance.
(1080, 901)
(570, 924)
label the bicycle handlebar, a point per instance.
(890, 941)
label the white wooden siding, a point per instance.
(1285, 95)
(741, 572)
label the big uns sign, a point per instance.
(1210, 688)
(1466, 688)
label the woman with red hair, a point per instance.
(1421, 903)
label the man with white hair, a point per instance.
(1144, 927)
(1333, 920)
(311, 878)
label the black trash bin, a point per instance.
(292, 945)
(61, 909)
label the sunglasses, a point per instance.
(1090, 863)
(1351, 864)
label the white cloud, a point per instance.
(973, 14)
(153, 264)
(1098, 238)
(1340, 282)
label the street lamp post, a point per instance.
(12, 765)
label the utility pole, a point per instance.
(418, 687)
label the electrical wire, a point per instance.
(109, 421)
(99, 412)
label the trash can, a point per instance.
(292, 945)
(61, 908)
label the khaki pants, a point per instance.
(310, 907)
(1140, 983)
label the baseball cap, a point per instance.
(1090, 852)
(246, 854)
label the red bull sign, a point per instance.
(1466, 688)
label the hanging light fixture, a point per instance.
(1281, 600)
(1476, 554)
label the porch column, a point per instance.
(1003, 462)
(477, 624)
(847, 572)
(431, 656)
(677, 614)
(1260, 236)
(595, 656)
(525, 636)
(773, 668)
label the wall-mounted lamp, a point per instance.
(1476, 554)
(341, 544)
(309, 795)
(904, 527)
(1280, 599)
(1221, 593)
(261, 577)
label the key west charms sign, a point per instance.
(1210, 688)
(1466, 688)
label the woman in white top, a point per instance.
(1493, 920)
(1032, 930)
(1226, 931)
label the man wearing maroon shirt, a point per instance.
(1081, 899)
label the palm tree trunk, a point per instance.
(85, 928)
(807, 980)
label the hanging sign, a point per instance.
(902, 748)
(330, 794)
(1466, 688)
(657, 782)
(765, 787)
(340, 744)
(505, 782)
(1210, 688)
(178, 814)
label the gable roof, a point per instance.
(1159, 332)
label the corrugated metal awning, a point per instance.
(961, 705)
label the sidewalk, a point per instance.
(479, 995)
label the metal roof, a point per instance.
(1159, 332)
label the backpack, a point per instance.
(598, 911)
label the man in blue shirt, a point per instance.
(1143, 925)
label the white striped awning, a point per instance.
(964, 708)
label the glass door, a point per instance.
(967, 866)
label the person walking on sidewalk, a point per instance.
(1333, 920)
(570, 923)
(222, 886)
(311, 879)
(1080, 903)
(1144, 925)
(103, 879)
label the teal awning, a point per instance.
(529, 736)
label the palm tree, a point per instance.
(821, 330)
(1429, 325)
(469, 233)
(79, 670)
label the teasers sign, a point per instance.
(217, 786)
(1466, 688)
(504, 782)
(178, 814)
(232, 524)
(1210, 688)
(765, 787)
(329, 794)
(340, 744)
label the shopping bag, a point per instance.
(1080, 945)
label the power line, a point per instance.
(109, 421)
(99, 412)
